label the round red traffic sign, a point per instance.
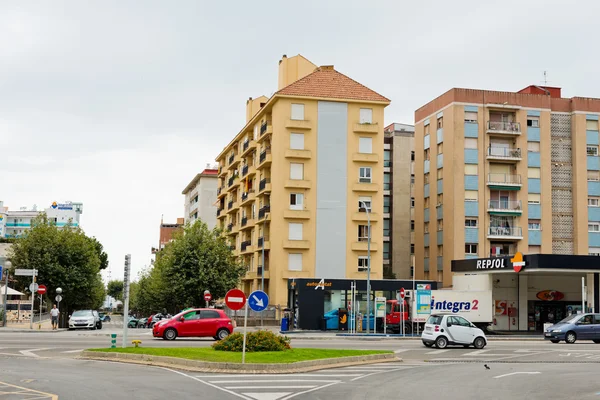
(402, 293)
(41, 289)
(235, 299)
(207, 297)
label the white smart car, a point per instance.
(442, 330)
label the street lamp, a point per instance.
(364, 205)
(7, 266)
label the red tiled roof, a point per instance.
(209, 172)
(328, 83)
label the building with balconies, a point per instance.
(293, 179)
(201, 196)
(16, 223)
(512, 172)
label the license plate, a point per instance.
(548, 334)
(428, 328)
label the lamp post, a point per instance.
(7, 266)
(364, 205)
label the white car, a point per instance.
(85, 319)
(442, 330)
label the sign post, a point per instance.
(41, 291)
(126, 298)
(58, 299)
(235, 300)
(402, 295)
(207, 297)
(379, 312)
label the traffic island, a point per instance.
(209, 360)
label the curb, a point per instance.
(381, 337)
(237, 368)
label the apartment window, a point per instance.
(593, 202)
(534, 225)
(533, 147)
(386, 181)
(534, 122)
(412, 178)
(426, 202)
(440, 224)
(387, 158)
(592, 150)
(533, 198)
(470, 143)
(440, 250)
(533, 173)
(440, 122)
(364, 202)
(593, 176)
(426, 154)
(295, 231)
(363, 233)
(295, 262)
(412, 156)
(471, 195)
(594, 251)
(440, 148)
(440, 199)
(593, 226)
(297, 141)
(412, 202)
(365, 145)
(296, 201)
(412, 248)
(426, 227)
(440, 173)
(363, 263)
(471, 223)
(470, 169)
(296, 171)
(412, 225)
(386, 204)
(386, 227)
(426, 178)
(426, 252)
(471, 117)
(364, 174)
(366, 115)
(591, 125)
(298, 112)
(471, 248)
(386, 250)
(427, 129)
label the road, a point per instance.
(44, 366)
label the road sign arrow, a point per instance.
(258, 301)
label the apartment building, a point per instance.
(200, 198)
(398, 201)
(296, 181)
(502, 172)
(16, 223)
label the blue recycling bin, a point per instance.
(285, 324)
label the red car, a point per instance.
(199, 322)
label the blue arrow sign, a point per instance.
(258, 300)
(0, 272)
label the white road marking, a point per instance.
(516, 373)
(207, 383)
(270, 387)
(267, 396)
(380, 367)
(30, 352)
(475, 353)
(401, 350)
(308, 391)
(324, 375)
(72, 351)
(273, 380)
(438, 351)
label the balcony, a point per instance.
(262, 213)
(365, 158)
(505, 233)
(504, 207)
(234, 160)
(229, 227)
(244, 245)
(247, 197)
(246, 224)
(366, 128)
(297, 184)
(244, 221)
(504, 181)
(296, 214)
(230, 205)
(264, 186)
(362, 246)
(504, 128)
(263, 240)
(296, 244)
(361, 216)
(297, 124)
(301, 154)
(231, 159)
(365, 187)
(244, 170)
(264, 127)
(222, 171)
(503, 154)
(219, 210)
(264, 159)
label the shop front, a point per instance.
(321, 303)
(531, 291)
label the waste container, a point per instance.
(285, 324)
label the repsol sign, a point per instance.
(491, 263)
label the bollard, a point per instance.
(113, 340)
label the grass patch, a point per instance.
(265, 357)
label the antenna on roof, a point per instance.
(545, 77)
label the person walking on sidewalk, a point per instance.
(54, 314)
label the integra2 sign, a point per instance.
(491, 263)
(454, 306)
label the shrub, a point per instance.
(255, 341)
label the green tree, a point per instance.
(115, 289)
(196, 260)
(103, 256)
(65, 258)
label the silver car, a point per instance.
(85, 319)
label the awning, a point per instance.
(11, 292)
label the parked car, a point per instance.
(200, 322)
(132, 323)
(442, 330)
(85, 319)
(575, 327)
(104, 317)
(142, 323)
(154, 319)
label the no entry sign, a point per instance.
(402, 294)
(41, 289)
(207, 297)
(235, 299)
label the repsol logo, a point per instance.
(491, 263)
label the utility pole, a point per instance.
(5, 319)
(126, 298)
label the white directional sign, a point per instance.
(58, 298)
(25, 272)
(34, 287)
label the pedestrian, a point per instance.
(54, 314)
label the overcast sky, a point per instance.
(118, 104)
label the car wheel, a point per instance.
(570, 337)
(407, 329)
(170, 334)
(556, 341)
(479, 343)
(222, 334)
(441, 342)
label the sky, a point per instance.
(118, 104)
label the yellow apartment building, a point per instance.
(295, 180)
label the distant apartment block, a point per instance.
(201, 197)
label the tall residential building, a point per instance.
(167, 231)
(502, 172)
(296, 179)
(15, 223)
(398, 200)
(201, 197)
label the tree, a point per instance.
(103, 256)
(196, 260)
(115, 289)
(65, 258)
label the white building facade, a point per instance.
(201, 197)
(15, 223)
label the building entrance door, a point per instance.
(548, 312)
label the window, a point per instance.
(593, 176)
(363, 233)
(364, 202)
(426, 252)
(363, 263)
(440, 174)
(534, 225)
(427, 129)
(471, 223)
(471, 248)
(295, 262)
(365, 145)
(387, 158)
(426, 227)
(412, 248)
(412, 201)
(364, 174)
(593, 202)
(412, 225)
(470, 143)
(534, 122)
(592, 150)
(412, 156)
(386, 250)
(366, 115)
(591, 125)
(440, 148)
(471, 195)
(297, 141)
(295, 231)
(426, 154)
(296, 201)
(296, 171)
(594, 251)
(470, 169)
(440, 251)
(593, 226)
(533, 147)
(533, 173)
(471, 117)
(386, 204)
(440, 199)
(256, 128)
(209, 314)
(440, 122)
(412, 178)
(386, 181)
(533, 198)
(298, 112)
(386, 227)
(426, 202)
(440, 224)
(426, 178)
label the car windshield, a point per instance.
(435, 319)
(570, 319)
(82, 314)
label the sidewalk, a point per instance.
(45, 326)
